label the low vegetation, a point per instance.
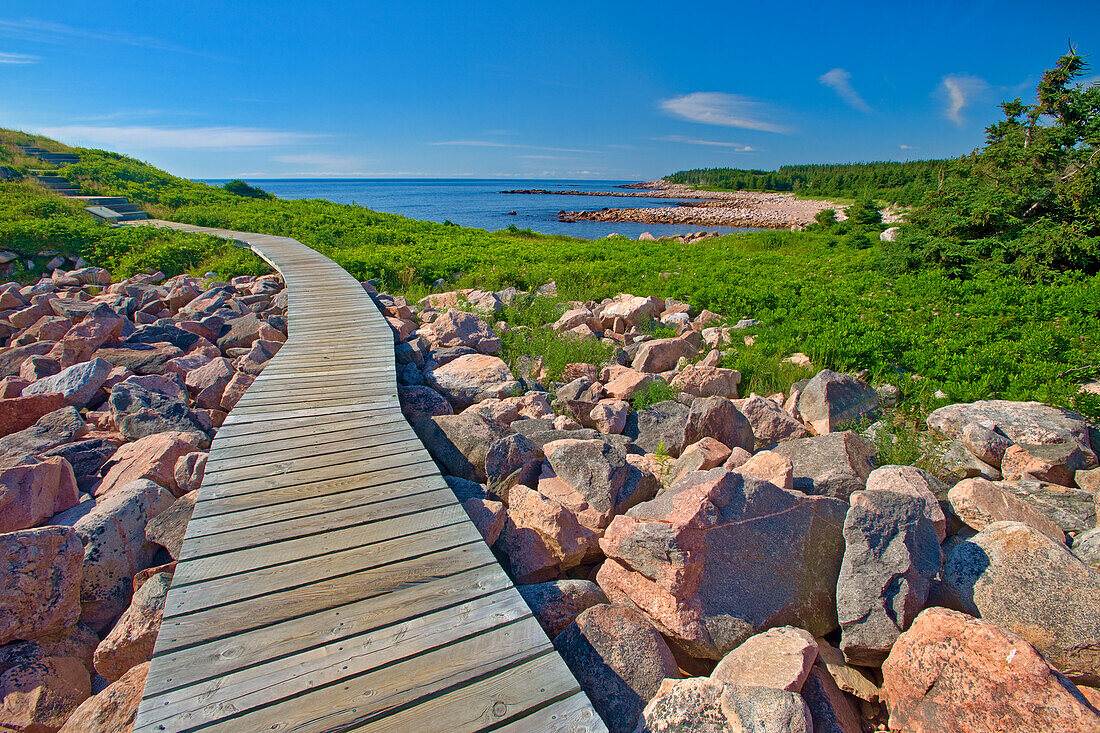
(528, 338)
(993, 326)
(33, 220)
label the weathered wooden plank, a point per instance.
(324, 540)
(319, 384)
(261, 406)
(244, 537)
(359, 697)
(314, 457)
(302, 373)
(315, 381)
(258, 612)
(573, 714)
(508, 696)
(330, 493)
(217, 657)
(245, 433)
(286, 571)
(255, 687)
(384, 458)
(301, 501)
(285, 447)
(298, 414)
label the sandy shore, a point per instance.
(702, 208)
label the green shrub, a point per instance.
(1088, 404)
(532, 311)
(656, 391)
(859, 240)
(864, 212)
(237, 187)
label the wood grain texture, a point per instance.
(329, 579)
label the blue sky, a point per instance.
(558, 90)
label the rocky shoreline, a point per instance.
(702, 563)
(750, 209)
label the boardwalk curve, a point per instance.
(329, 579)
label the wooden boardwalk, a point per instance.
(329, 580)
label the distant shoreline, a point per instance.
(706, 208)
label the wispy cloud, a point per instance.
(320, 165)
(738, 147)
(141, 138)
(498, 144)
(719, 108)
(319, 160)
(903, 146)
(131, 115)
(475, 144)
(17, 58)
(840, 81)
(41, 31)
(961, 91)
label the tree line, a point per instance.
(892, 181)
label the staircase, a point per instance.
(107, 209)
(56, 183)
(47, 156)
(120, 206)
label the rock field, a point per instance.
(720, 562)
(713, 562)
(110, 393)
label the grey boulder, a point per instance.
(891, 556)
(703, 705)
(662, 426)
(831, 399)
(620, 661)
(115, 547)
(830, 465)
(1016, 577)
(138, 412)
(79, 383)
(557, 603)
(460, 443)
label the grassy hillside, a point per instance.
(890, 181)
(816, 292)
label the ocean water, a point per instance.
(480, 203)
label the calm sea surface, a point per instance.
(480, 203)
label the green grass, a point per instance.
(529, 336)
(34, 220)
(556, 350)
(654, 392)
(989, 336)
(762, 368)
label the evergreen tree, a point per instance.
(1031, 196)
